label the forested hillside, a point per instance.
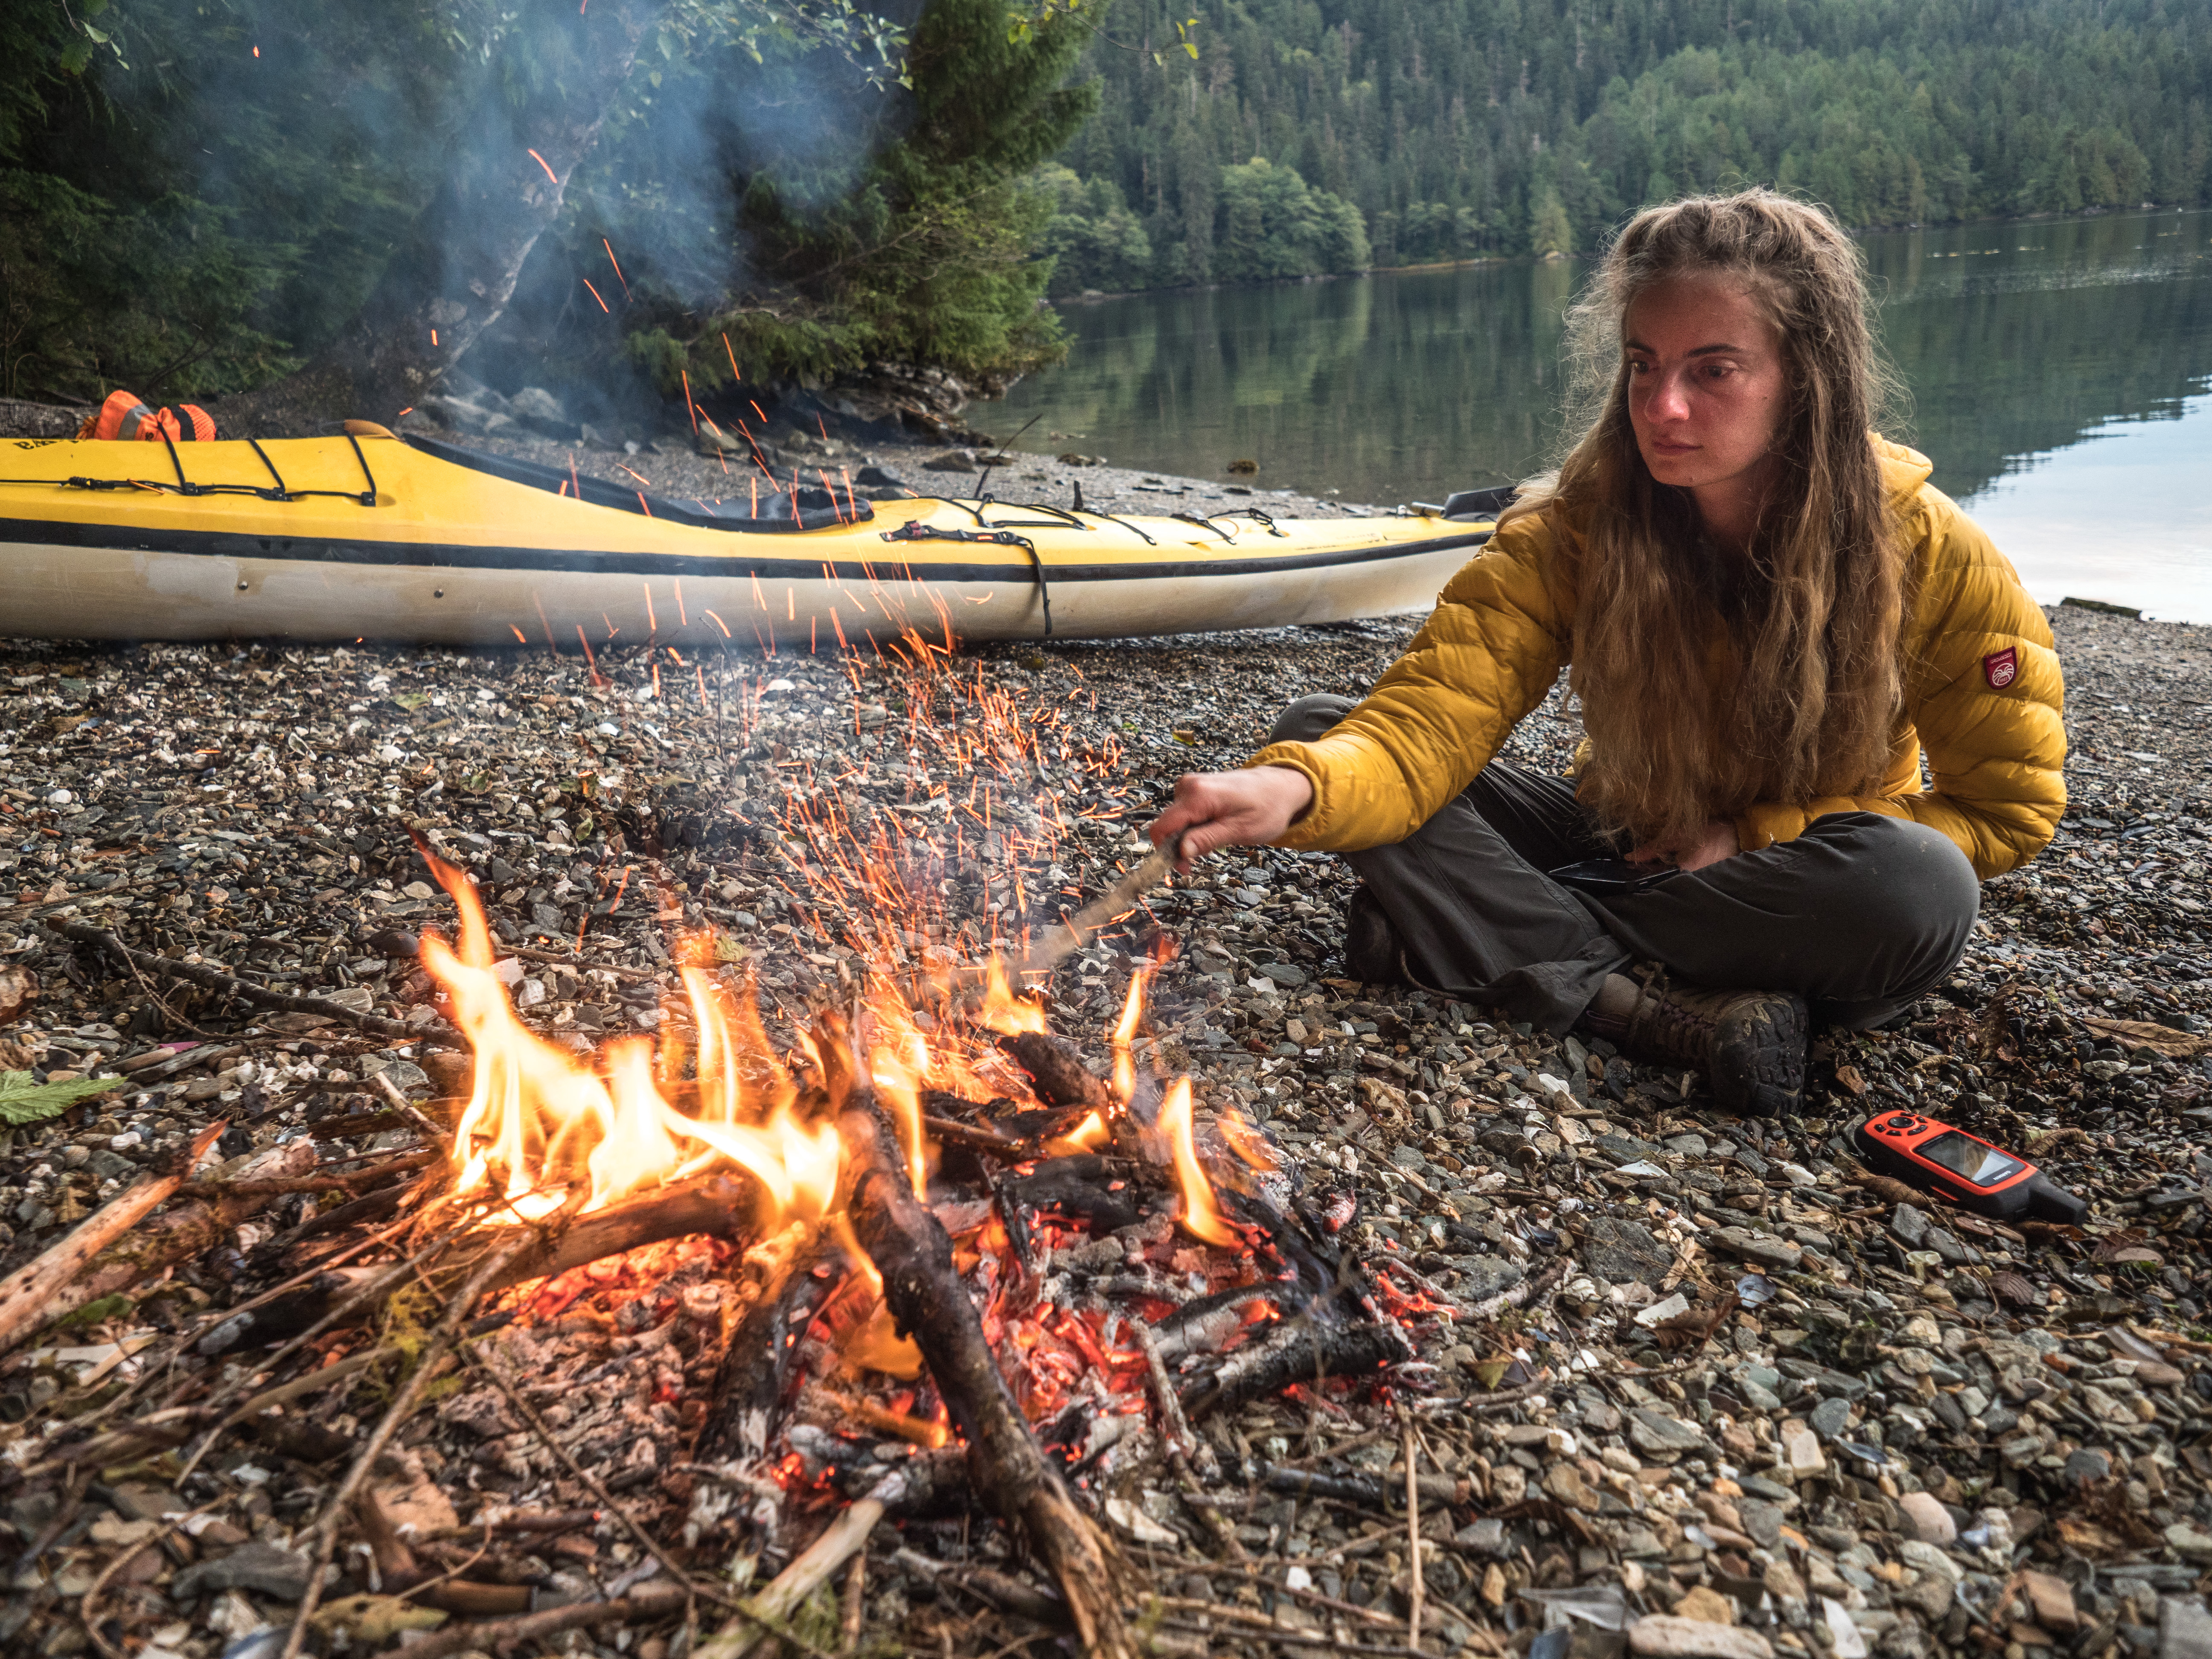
(201, 197)
(1448, 129)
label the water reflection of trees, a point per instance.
(1393, 385)
(2011, 355)
(1400, 386)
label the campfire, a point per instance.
(873, 1240)
(951, 1233)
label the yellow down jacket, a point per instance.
(1983, 697)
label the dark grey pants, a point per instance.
(1859, 915)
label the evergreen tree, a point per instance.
(1549, 232)
(928, 256)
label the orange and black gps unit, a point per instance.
(1963, 1169)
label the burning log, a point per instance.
(757, 1366)
(909, 1246)
(723, 1203)
(1058, 1073)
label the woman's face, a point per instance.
(1707, 394)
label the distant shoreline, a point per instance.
(1095, 296)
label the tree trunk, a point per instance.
(452, 276)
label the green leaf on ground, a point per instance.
(24, 1099)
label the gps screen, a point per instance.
(1963, 1155)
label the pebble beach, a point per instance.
(1787, 1405)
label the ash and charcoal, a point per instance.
(1913, 1433)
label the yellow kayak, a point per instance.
(364, 535)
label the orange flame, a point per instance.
(1246, 1142)
(1125, 1037)
(1200, 1215)
(1088, 1136)
(1002, 1010)
(539, 1119)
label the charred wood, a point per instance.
(1057, 1071)
(930, 1303)
(755, 1369)
(1370, 1491)
(1082, 1187)
(1301, 1351)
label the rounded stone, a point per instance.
(1928, 1520)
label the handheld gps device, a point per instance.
(1963, 1169)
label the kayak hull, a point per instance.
(450, 556)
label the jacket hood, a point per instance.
(1903, 469)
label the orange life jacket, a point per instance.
(124, 416)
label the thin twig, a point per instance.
(86, 1609)
(245, 989)
(1413, 1529)
(345, 1305)
(1287, 1637)
(404, 1401)
(648, 1600)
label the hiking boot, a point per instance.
(1749, 1044)
(1373, 953)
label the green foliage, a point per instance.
(24, 1099)
(921, 249)
(1094, 241)
(193, 199)
(1461, 127)
(113, 1306)
(185, 217)
(1270, 224)
(1548, 229)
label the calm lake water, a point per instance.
(2061, 373)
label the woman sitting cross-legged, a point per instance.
(1769, 616)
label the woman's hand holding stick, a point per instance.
(1248, 808)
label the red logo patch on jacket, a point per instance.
(2002, 668)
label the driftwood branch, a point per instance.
(928, 1302)
(764, 1616)
(26, 1293)
(140, 1251)
(650, 1600)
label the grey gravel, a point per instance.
(2048, 1390)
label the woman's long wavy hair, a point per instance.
(1810, 619)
